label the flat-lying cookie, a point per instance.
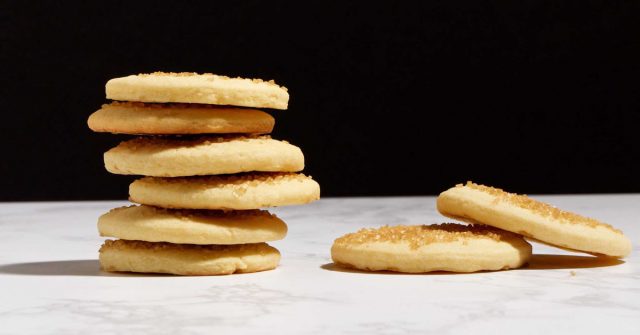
(444, 247)
(153, 224)
(522, 215)
(186, 259)
(198, 88)
(245, 191)
(138, 118)
(160, 157)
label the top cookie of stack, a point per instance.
(195, 132)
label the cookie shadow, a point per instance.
(537, 262)
(80, 267)
(340, 268)
(555, 262)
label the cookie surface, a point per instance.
(418, 249)
(246, 191)
(198, 88)
(525, 216)
(186, 259)
(153, 224)
(160, 157)
(138, 118)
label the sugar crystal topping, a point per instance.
(247, 179)
(172, 142)
(538, 207)
(211, 75)
(418, 236)
(170, 105)
(212, 213)
(158, 246)
(201, 213)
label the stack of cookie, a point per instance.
(208, 169)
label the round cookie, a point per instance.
(186, 259)
(160, 157)
(245, 191)
(198, 88)
(153, 224)
(138, 118)
(418, 249)
(519, 214)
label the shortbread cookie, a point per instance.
(198, 88)
(245, 191)
(160, 157)
(522, 215)
(153, 224)
(444, 247)
(186, 259)
(138, 118)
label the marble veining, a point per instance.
(50, 282)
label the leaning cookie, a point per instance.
(444, 247)
(186, 259)
(522, 215)
(244, 191)
(159, 157)
(198, 88)
(138, 118)
(153, 224)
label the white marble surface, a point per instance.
(50, 282)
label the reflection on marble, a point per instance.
(50, 281)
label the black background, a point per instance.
(386, 99)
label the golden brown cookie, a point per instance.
(245, 191)
(153, 224)
(186, 259)
(160, 157)
(444, 247)
(138, 118)
(198, 88)
(522, 215)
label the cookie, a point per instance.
(186, 259)
(533, 219)
(198, 88)
(443, 247)
(138, 118)
(161, 157)
(245, 191)
(153, 224)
